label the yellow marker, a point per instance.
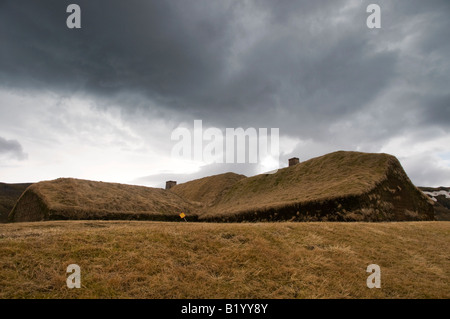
(182, 215)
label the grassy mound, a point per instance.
(129, 259)
(208, 190)
(9, 194)
(341, 186)
(68, 198)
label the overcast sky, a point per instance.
(101, 102)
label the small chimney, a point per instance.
(293, 161)
(170, 184)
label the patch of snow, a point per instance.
(434, 194)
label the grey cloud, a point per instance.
(303, 66)
(134, 45)
(177, 54)
(12, 149)
(434, 112)
(424, 171)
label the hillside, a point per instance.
(208, 190)
(441, 198)
(68, 198)
(129, 259)
(9, 194)
(341, 186)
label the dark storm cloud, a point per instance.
(437, 112)
(12, 148)
(163, 48)
(298, 65)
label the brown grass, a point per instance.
(208, 190)
(335, 175)
(341, 186)
(69, 198)
(205, 260)
(9, 194)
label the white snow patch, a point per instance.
(434, 194)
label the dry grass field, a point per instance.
(144, 259)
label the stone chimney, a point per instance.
(293, 161)
(170, 184)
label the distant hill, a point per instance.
(441, 198)
(9, 194)
(341, 186)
